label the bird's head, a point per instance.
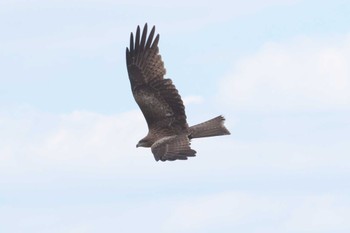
(143, 143)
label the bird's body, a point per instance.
(169, 134)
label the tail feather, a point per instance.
(210, 128)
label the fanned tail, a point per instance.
(210, 128)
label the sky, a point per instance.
(278, 70)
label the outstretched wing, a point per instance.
(172, 148)
(157, 97)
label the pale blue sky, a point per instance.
(278, 71)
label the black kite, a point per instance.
(168, 132)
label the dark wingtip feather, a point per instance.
(131, 42)
(155, 42)
(127, 55)
(137, 39)
(143, 37)
(150, 38)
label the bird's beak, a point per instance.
(137, 145)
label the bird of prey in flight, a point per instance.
(168, 132)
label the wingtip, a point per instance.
(153, 28)
(135, 40)
(132, 41)
(155, 42)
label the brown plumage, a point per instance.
(168, 132)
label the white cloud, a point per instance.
(323, 213)
(263, 213)
(305, 73)
(32, 140)
(88, 161)
(214, 210)
(182, 3)
(193, 99)
(266, 157)
(246, 211)
(203, 12)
